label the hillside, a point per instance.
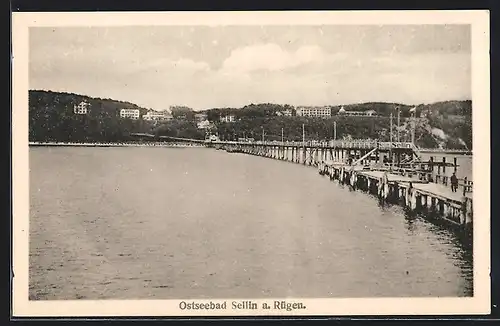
(448, 123)
(442, 124)
(51, 118)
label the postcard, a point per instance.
(296, 163)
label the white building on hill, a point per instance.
(157, 116)
(284, 113)
(129, 113)
(81, 108)
(368, 113)
(228, 118)
(205, 124)
(314, 111)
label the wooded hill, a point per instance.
(443, 124)
(51, 118)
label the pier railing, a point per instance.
(423, 170)
(462, 182)
(355, 143)
(446, 150)
(360, 144)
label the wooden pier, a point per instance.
(393, 172)
(415, 194)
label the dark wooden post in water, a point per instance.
(438, 170)
(466, 215)
(455, 164)
(431, 167)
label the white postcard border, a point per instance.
(479, 304)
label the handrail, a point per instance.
(362, 143)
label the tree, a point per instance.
(182, 113)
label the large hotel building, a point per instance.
(129, 113)
(314, 111)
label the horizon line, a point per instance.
(251, 103)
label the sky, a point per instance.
(232, 66)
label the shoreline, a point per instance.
(54, 144)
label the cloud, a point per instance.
(160, 68)
(271, 57)
(182, 66)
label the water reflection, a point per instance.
(410, 223)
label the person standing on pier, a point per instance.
(454, 182)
